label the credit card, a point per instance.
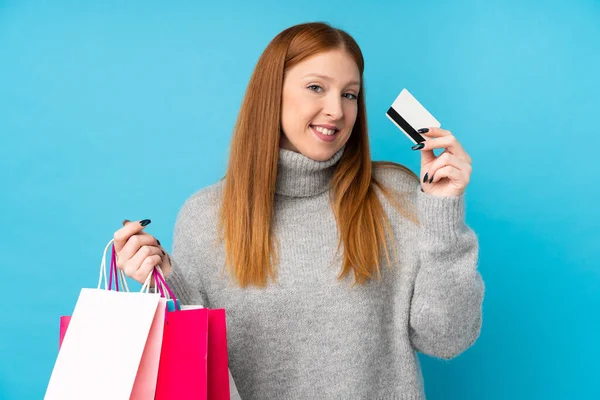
(409, 116)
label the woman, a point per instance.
(334, 270)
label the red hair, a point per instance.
(246, 214)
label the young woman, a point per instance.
(334, 270)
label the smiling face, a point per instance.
(319, 104)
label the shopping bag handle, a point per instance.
(114, 271)
(156, 274)
(160, 277)
(163, 287)
(158, 284)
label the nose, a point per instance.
(333, 107)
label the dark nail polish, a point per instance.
(158, 241)
(431, 180)
(145, 222)
(163, 252)
(423, 130)
(418, 146)
(425, 178)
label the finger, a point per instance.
(450, 144)
(427, 155)
(133, 245)
(456, 176)
(122, 235)
(134, 263)
(437, 138)
(126, 221)
(434, 132)
(146, 268)
(448, 159)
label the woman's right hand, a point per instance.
(139, 252)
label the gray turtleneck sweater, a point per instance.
(310, 336)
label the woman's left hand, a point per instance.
(449, 173)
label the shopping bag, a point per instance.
(112, 345)
(218, 362)
(183, 365)
(194, 358)
(145, 381)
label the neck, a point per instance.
(301, 176)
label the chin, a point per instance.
(319, 154)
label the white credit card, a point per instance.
(409, 116)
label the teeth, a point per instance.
(324, 131)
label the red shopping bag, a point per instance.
(218, 360)
(182, 369)
(194, 360)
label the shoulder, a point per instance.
(395, 176)
(206, 197)
(202, 207)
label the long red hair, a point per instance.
(246, 213)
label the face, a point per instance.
(319, 104)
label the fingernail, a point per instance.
(145, 222)
(418, 146)
(423, 130)
(158, 241)
(125, 222)
(425, 178)
(163, 252)
(431, 180)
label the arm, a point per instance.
(184, 277)
(446, 306)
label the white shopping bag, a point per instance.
(232, 389)
(109, 345)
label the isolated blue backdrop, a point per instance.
(113, 110)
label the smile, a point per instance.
(327, 135)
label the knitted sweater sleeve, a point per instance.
(446, 306)
(184, 279)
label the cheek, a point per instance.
(350, 113)
(287, 113)
(291, 110)
(300, 113)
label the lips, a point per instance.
(322, 136)
(326, 126)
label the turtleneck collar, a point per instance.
(301, 176)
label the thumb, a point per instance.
(427, 157)
(427, 154)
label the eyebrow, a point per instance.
(325, 77)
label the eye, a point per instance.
(316, 88)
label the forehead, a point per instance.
(334, 65)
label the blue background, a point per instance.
(111, 111)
